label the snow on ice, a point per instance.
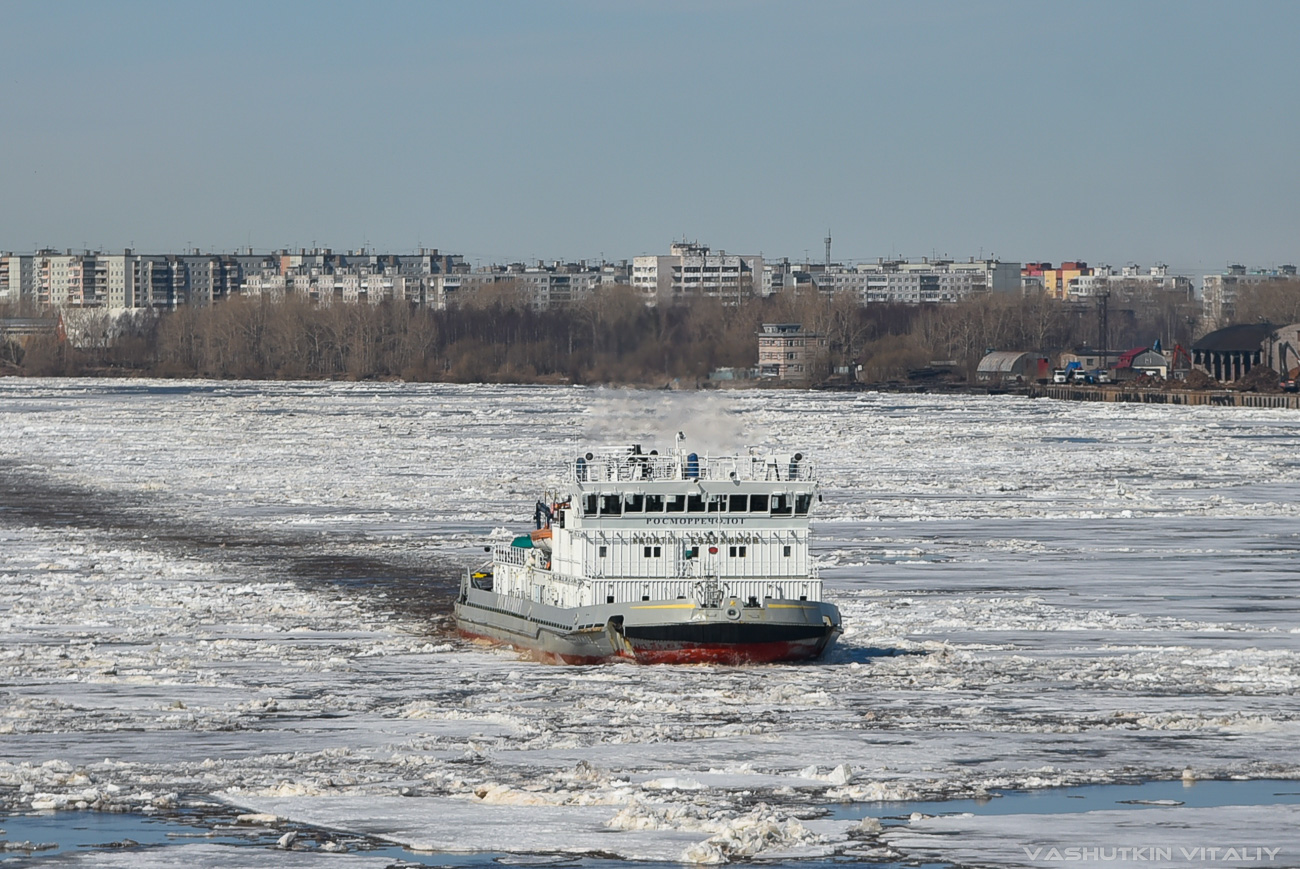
(238, 591)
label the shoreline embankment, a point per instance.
(1213, 397)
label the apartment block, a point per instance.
(691, 270)
(1077, 280)
(115, 274)
(68, 281)
(897, 281)
(541, 286)
(1219, 292)
(1053, 281)
(17, 278)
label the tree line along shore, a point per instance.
(611, 337)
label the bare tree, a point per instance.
(1276, 302)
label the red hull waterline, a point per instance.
(695, 653)
(730, 653)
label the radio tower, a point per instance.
(828, 249)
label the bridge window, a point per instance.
(801, 504)
(633, 503)
(717, 503)
(610, 505)
(738, 503)
(589, 503)
(694, 503)
(654, 503)
(758, 503)
(676, 503)
(780, 505)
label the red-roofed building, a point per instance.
(1141, 360)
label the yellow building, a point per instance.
(1056, 282)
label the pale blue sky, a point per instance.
(1111, 132)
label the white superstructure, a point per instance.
(682, 537)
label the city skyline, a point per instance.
(582, 131)
(811, 259)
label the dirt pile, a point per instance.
(1197, 379)
(1260, 379)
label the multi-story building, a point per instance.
(67, 280)
(450, 290)
(266, 283)
(167, 281)
(541, 286)
(1219, 292)
(898, 281)
(787, 352)
(115, 275)
(691, 270)
(558, 284)
(324, 276)
(208, 278)
(778, 275)
(936, 281)
(17, 278)
(1053, 281)
(161, 282)
(1129, 278)
(1031, 277)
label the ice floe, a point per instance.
(232, 591)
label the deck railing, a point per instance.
(699, 591)
(504, 553)
(628, 467)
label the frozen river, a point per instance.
(238, 593)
